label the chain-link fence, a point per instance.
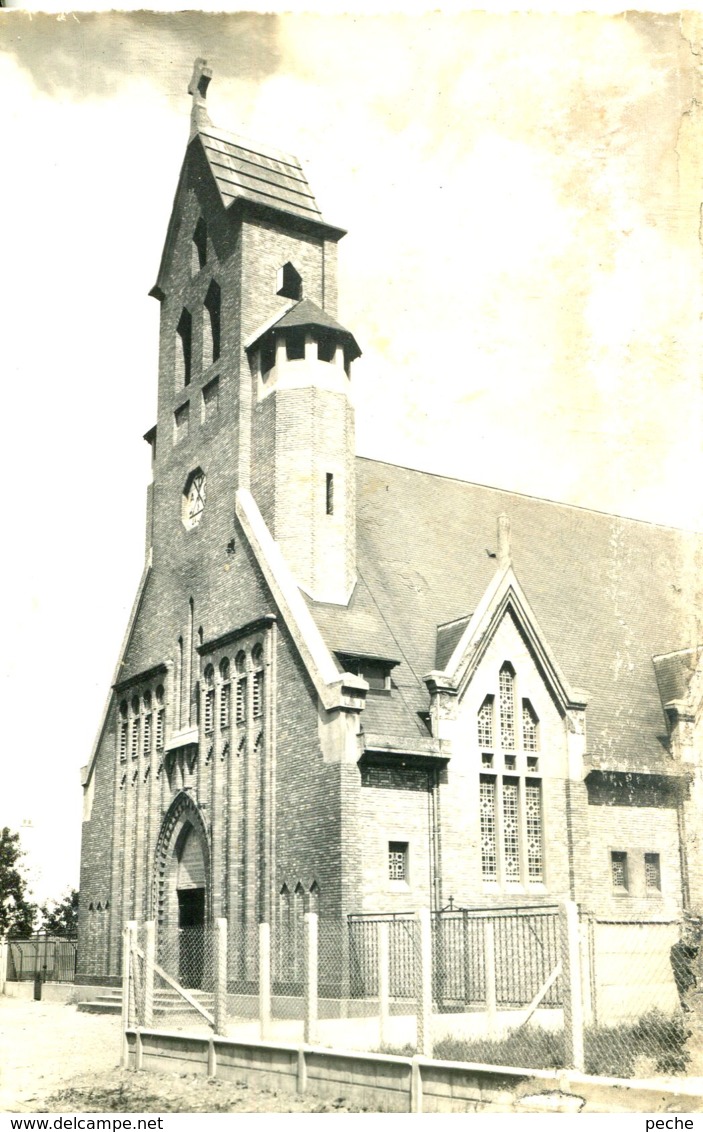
(637, 1022)
(532, 987)
(53, 958)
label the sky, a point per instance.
(522, 272)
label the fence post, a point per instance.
(489, 951)
(466, 956)
(264, 981)
(424, 982)
(220, 1011)
(149, 960)
(127, 932)
(3, 964)
(571, 985)
(310, 954)
(586, 973)
(383, 982)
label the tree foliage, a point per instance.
(60, 917)
(17, 914)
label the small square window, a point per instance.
(652, 872)
(397, 860)
(618, 866)
(487, 758)
(532, 762)
(510, 762)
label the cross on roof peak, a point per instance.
(197, 88)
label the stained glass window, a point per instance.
(533, 822)
(618, 864)
(652, 872)
(507, 708)
(487, 805)
(529, 727)
(485, 723)
(511, 830)
(397, 860)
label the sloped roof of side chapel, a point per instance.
(609, 594)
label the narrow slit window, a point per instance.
(224, 694)
(240, 707)
(209, 712)
(209, 704)
(211, 325)
(241, 699)
(123, 731)
(160, 719)
(135, 738)
(198, 257)
(329, 494)
(257, 695)
(184, 336)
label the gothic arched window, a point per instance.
(224, 694)
(257, 691)
(241, 693)
(209, 700)
(184, 339)
(485, 724)
(198, 248)
(510, 797)
(211, 325)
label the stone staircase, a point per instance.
(167, 1003)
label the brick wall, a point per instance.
(204, 583)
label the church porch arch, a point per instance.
(182, 891)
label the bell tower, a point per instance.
(303, 451)
(255, 371)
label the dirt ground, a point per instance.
(54, 1059)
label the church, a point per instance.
(356, 687)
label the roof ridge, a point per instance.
(528, 495)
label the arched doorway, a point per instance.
(190, 896)
(182, 892)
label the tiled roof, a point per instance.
(244, 169)
(608, 593)
(307, 313)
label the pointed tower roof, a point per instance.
(306, 314)
(250, 171)
(245, 172)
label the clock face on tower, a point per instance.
(193, 503)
